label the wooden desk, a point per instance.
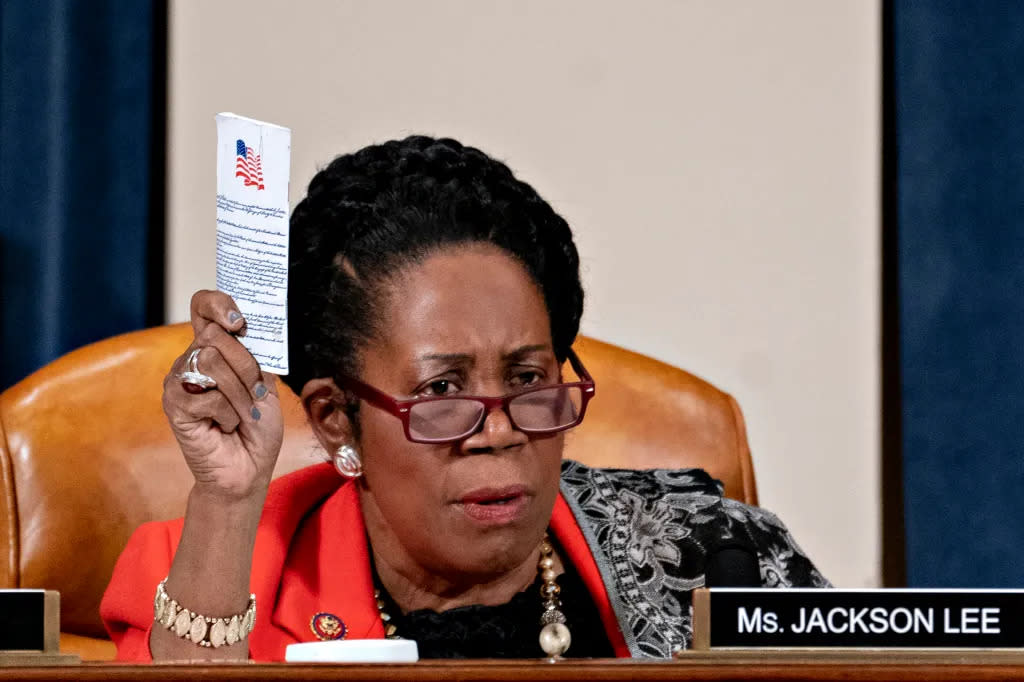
(700, 668)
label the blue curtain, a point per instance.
(76, 142)
(959, 126)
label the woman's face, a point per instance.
(467, 320)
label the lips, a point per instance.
(493, 495)
(495, 505)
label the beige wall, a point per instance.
(717, 160)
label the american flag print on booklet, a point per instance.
(253, 161)
(247, 166)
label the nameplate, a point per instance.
(30, 620)
(877, 619)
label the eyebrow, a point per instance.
(453, 358)
(525, 350)
(445, 358)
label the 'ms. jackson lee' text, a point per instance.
(877, 620)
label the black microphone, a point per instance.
(732, 564)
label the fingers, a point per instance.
(215, 307)
(231, 357)
(213, 405)
(243, 386)
(238, 378)
(217, 322)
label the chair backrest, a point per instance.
(86, 454)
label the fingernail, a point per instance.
(234, 316)
(255, 413)
(259, 391)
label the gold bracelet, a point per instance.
(198, 629)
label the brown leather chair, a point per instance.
(86, 456)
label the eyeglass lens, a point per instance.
(534, 411)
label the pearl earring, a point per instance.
(346, 461)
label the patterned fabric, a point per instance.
(650, 532)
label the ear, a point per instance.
(325, 406)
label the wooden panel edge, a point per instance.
(51, 622)
(23, 659)
(701, 619)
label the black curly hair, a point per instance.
(369, 214)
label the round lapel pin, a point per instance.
(327, 626)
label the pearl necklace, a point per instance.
(555, 637)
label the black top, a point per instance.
(509, 630)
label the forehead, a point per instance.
(465, 299)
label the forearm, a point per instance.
(210, 572)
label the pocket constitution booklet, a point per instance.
(253, 162)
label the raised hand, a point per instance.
(230, 435)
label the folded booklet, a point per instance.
(253, 160)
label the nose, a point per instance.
(495, 435)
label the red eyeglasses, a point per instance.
(443, 419)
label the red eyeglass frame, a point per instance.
(403, 408)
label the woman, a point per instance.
(421, 270)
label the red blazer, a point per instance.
(310, 557)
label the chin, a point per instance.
(494, 553)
